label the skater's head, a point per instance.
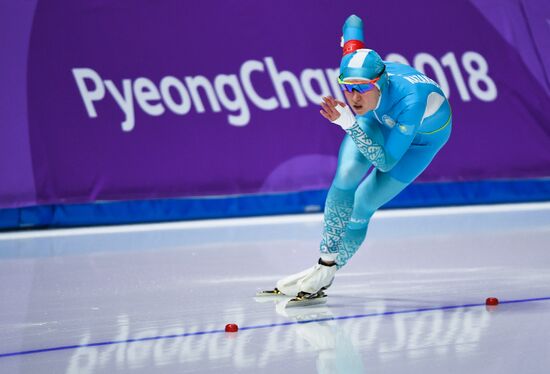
(361, 70)
(359, 99)
(362, 90)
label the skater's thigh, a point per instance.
(418, 157)
(352, 165)
(376, 190)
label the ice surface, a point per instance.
(156, 298)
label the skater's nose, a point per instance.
(356, 96)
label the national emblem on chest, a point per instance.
(388, 121)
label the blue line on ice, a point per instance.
(389, 313)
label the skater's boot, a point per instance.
(308, 282)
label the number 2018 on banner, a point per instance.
(479, 82)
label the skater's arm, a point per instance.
(373, 150)
(401, 136)
(382, 154)
(339, 113)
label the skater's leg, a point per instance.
(376, 190)
(379, 188)
(352, 167)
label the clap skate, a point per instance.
(273, 292)
(304, 288)
(307, 299)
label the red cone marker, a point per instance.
(231, 327)
(491, 301)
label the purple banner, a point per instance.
(139, 99)
(16, 174)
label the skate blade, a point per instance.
(273, 292)
(274, 296)
(298, 302)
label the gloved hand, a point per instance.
(346, 119)
(337, 112)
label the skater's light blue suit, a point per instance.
(399, 138)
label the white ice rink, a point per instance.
(156, 298)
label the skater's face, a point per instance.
(361, 103)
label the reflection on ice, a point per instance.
(335, 350)
(319, 330)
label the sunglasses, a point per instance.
(359, 85)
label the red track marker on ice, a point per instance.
(491, 301)
(231, 327)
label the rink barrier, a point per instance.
(164, 210)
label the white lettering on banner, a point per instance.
(473, 62)
(182, 107)
(234, 93)
(89, 96)
(237, 104)
(279, 78)
(146, 92)
(199, 81)
(307, 77)
(246, 70)
(423, 59)
(125, 102)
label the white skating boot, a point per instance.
(307, 286)
(311, 281)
